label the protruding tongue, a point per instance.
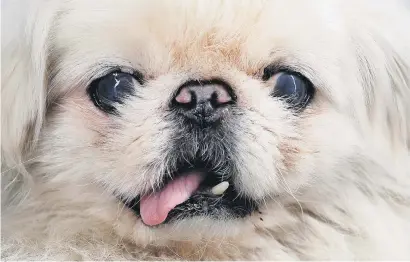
(154, 208)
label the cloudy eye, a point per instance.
(112, 89)
(293, 87)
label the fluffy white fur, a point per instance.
(335, 178)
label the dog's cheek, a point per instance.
(86, 124)
(123, 152)
(280, 153)
(137, 146)
(72, 139)
(329, 141)
(267, 146)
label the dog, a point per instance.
(205, 130)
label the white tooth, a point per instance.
(220, 188)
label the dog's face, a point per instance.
(197, 96)
(187, 110)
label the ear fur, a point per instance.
(24, 79)
(383, 51)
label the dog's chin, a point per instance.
(192, 191)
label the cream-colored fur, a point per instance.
(334, 178)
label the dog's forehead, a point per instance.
(203, 36)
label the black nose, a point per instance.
(204, 102)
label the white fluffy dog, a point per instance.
(232, 130)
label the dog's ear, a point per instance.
(383, 51)
(24, 79)
(398, 69)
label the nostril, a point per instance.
(221, 96)
(185, 96)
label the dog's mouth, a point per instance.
(193, 190)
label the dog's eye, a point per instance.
(111, 90)
(293, 87)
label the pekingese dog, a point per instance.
(205, 130)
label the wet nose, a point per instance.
(203, 102)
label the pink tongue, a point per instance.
(154, 208)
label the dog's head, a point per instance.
(187, 110)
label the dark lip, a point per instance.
(230, 205)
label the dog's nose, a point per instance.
(203, 102)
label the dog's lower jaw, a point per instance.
(322, 223)
(205, 204)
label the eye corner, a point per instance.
(138, 76)
(93, 94)
(272, 70)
